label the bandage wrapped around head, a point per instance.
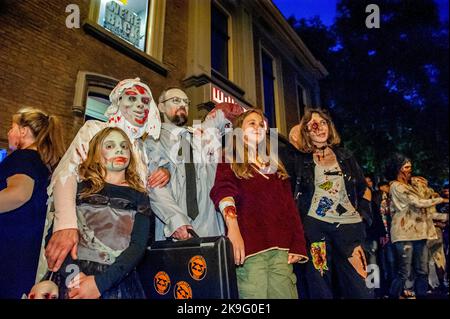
(133, 109)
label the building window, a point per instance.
(268, 78)
(219, 40)
(126, 19)
(96, 105)
(91, 97)
(301, 103)
(138, 24)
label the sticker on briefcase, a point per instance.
(162, 282)
(197, 267)
(182, 290)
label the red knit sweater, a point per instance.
(267, 214)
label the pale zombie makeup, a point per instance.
(254, 129)
(116, 152)
(134, 105)
(176, 106)
(14, 137)
(318, 129)
(406, 170)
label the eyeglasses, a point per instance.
(177, 100)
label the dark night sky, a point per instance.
(326, 9)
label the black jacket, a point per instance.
(377, 230)
(355, 184)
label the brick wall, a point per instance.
(40, 58)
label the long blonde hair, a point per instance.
(46, 130)
(93, 171)
(304, 142)
(245, 170)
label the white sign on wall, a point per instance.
(122, 22)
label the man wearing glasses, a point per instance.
(191, 179)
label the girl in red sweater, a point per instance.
(253, 193)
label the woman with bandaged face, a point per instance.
(113, 218)
(134, 111)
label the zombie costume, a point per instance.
(171, 151)
(411, 227)
(21, 229)
(332, 200)
(114, 227)
(127, 100)
(270, 227)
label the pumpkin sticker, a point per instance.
(197, 267)
(182, 290)
(162, 282)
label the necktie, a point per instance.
(191, 181)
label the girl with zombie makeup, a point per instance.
(411, 227)
(253, 192)
(113, 217)
(134, 111)
(36, 141)
(333, 198)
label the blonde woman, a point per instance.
(113, 217)
(35, 139)
(262, 221)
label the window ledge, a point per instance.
(225, 83)
(120, 45)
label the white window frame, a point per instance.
(230, 40)
(280, 117)
(154, 42)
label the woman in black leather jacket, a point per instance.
(333, 200)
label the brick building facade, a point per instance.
(70, 71)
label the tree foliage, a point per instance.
(388, 87)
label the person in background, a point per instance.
(369, 181)
(443, 209)
(35, 139)
(410, 228)
(381, 208)
(436, 256)
(376, 232)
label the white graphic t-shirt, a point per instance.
(330, 202)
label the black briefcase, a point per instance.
(197, 268)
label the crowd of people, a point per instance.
(409, 250)
(302, 218)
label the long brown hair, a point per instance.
(46, 130)
(305, 143)
(93, 171)
(245, 170)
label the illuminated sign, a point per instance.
(219, 96)
(122, 22)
